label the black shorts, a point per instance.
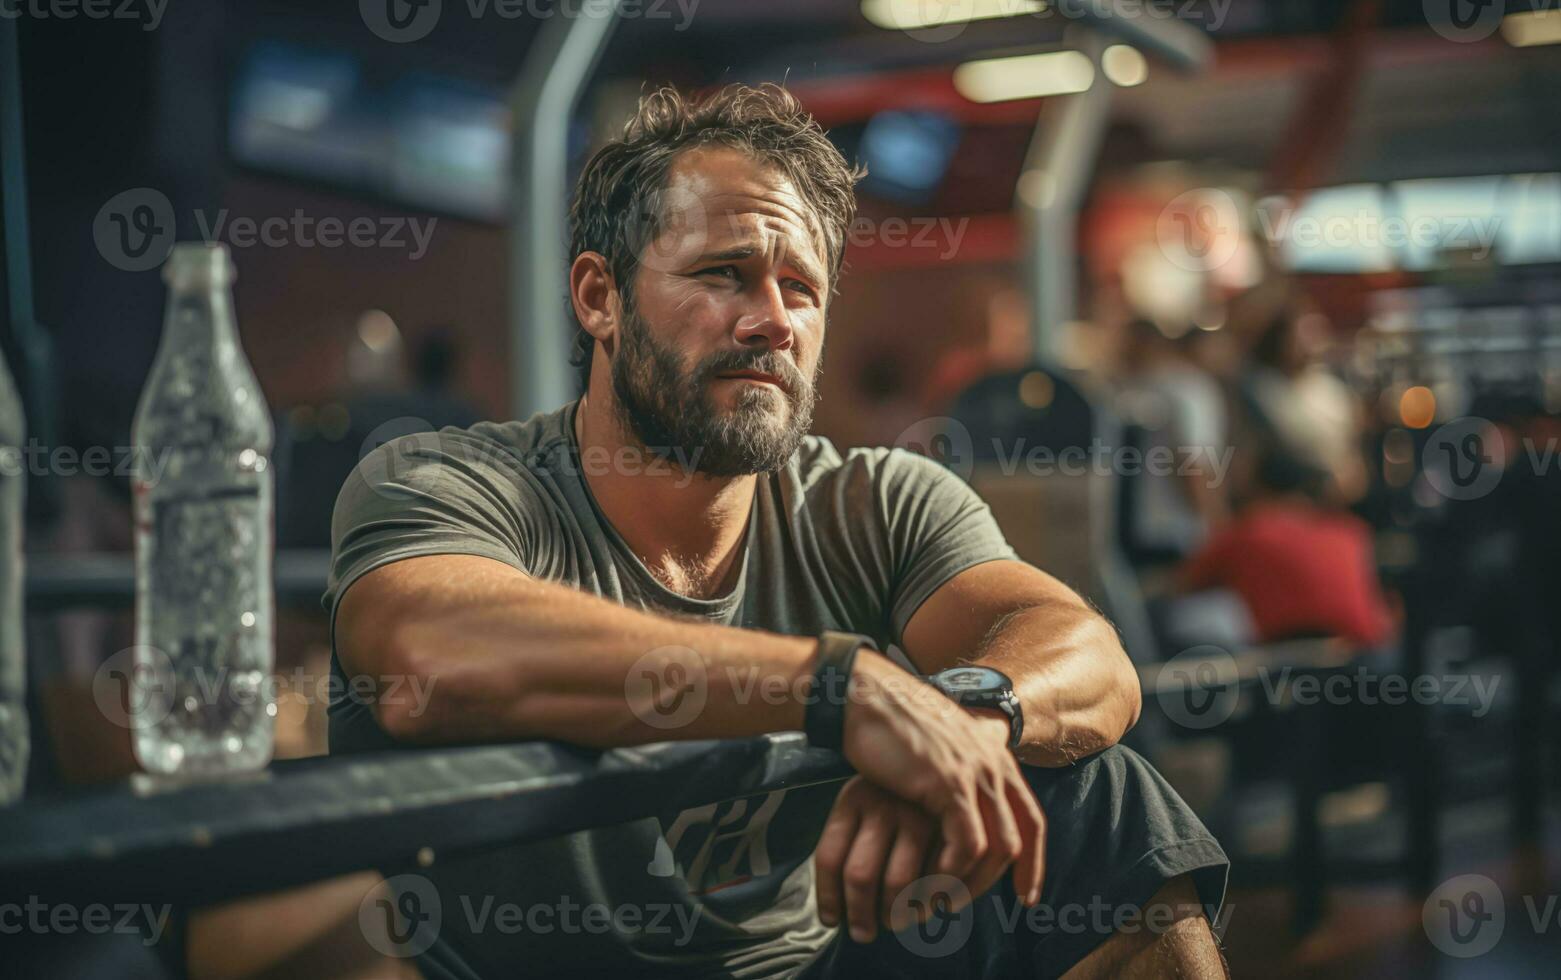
(1116, 832)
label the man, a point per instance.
(1181, 409)
(677, 523)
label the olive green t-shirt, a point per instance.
(852, 542)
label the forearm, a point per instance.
(1077, 688)
(504, 656)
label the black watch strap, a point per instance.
(824, 719)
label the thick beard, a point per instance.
(674, 416)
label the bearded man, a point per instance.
(647, 562)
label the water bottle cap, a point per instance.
(197, 264)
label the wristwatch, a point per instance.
(983, 687)
(824, 720)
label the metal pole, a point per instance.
(1056, 174)
(34, 346)
(563, 55)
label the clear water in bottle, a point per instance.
(202, 696)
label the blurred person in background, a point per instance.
(1302, 567)
(436, 362)
(384, 396)
(1180, 409)
(385, 385)
(1004, 344)
(1298, 407)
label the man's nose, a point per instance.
(765, 321)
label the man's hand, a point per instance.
(873, 847)
(907, 738)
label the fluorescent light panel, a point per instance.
(907, 15)
(1532, 28)
(1029, 76)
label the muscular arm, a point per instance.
(1079, 691)
(507, 656)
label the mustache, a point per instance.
(763, 362)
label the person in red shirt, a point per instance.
(1303, 569)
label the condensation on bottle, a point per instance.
(201, 699)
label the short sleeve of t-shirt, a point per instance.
(444, 493)
(935, 527)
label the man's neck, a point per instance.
(687, 528)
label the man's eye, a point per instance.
(800, 286)
(723, 271)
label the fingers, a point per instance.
(1030, 865)
(964, 836)
(1004, 842)
(992, 824)
(829, 857)
(912, 842)
(875, 848)
(864, 871)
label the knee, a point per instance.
(1170, 936)
(1114, 823)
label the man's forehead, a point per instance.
(744, 199)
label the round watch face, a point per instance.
(962, 679)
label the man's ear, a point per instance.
(595, 298)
